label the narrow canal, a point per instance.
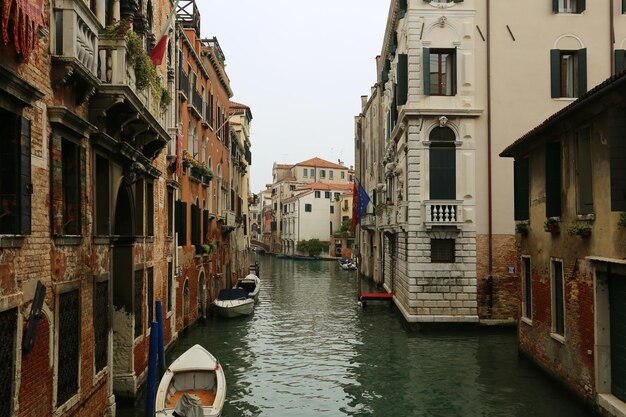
(309, 350)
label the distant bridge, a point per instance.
(259, 244)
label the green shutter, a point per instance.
(555, 72)
(582, 71)
(426, 70)
(402, 8)
(584, 171)
(555, 6)
(458, 1)
(582, 5)
(454, 73)
(619, 60)
(617, 158)
(403, 79)
(521, 181)
(553, 179)
(26, 186)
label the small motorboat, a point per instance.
(233, 302)
(192, 382)
(252, 284)
(348, 266)
(304, 258)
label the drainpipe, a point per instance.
(612, 36)
(489, 286)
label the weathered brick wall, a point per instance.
(505, 289)
(35, 396)
(570, 361)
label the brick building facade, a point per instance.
(88, 191)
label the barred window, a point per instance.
(69, 346)
(442, 250)
(8, 324)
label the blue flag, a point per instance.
(362, 202)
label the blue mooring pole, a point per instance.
(152, 365)
(161, 347)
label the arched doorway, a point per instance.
(201, 296)
(123, 292)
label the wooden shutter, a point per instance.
(426, 69)
(582, 5)
(582, 71)
(559, 316)
(458, 1)
(584, 172)
(553, 179)
(401, 10)
(442, 173)
(454, 72)
(385, 75)
(25, 181)
(555, 6)
(181, 222)
(82, 198)
(555, 72)
(205, 226)
(403, 79)
(619, 61)
(521, 180)
(617, 149)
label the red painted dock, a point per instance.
(376, 296)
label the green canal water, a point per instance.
(309, 350)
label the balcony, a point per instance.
(196, 104)
(368, 222)
(443, 213)
(134, 116)
(75, 46)
(229, 221)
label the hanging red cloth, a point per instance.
(27, 20)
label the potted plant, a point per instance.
(521, 228)
(552, 225)
(622, 220)
(578, 229)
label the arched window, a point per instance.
(442, 164)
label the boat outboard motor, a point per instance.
(188, 406)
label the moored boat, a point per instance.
(196, 375)
(304, 258)
(233, 302)
(252, 284)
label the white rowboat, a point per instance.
(197, 373)
(252, 284)
(233, 302)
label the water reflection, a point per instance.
(309, 350)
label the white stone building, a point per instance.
(458, 81)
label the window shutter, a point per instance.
(553, 179)
(385, 74)
(619, 61)
(26, 186)
(617, 149)
(458, 1)
(454, 72)
(82, 198)
(426, 69)
(401, 10)
(442, 173)
(555, 6)
(522, 188)
(584, 171)
(403, 79)
(582, 71)
(555, 72)
(582, 5)
(57, 185)
(205, 226)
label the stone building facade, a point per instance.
(439, 234)
(569, 209)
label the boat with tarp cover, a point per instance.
(233, 302)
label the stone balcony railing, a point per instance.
(368, 221)
(443, 213)
(76, 37)
(115, 69)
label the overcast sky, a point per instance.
(302, 67)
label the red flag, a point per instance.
(158, 53)
(355, 201)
